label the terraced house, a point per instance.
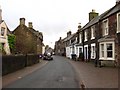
(100, 43)
(99, 39)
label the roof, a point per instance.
(69, 37)
(104, 15)
(95, 20)
(8, 30)
(36, 33)
(1, 21)
(113, 10)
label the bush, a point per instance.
(11, 41)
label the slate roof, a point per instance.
(69, 37)
(113, 10)
(104, 15)
(95, 20)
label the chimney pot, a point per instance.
(30, 25)
(93, 10)
(68, 33)
(117, 2)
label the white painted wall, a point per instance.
(68, 52)
(43, 49)
(4, 39)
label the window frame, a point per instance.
(93, 52)
(2, 28)
(93, 32)
(80, 38)
(104, 27)
(105, 51)
(86, 38)
(118, 25)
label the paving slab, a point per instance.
(95, 77)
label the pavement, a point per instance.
(9, 78)
(96, 77)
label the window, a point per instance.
(105, 27)
(76, 40)
(118, 22)
(86, 36)
(2, 31)
(102, 50)
(80, 38)
(92, 51)
(80, 50)
(107, 51)
(73, 51)
(92, 32)
(76, 50)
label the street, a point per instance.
(58, 73)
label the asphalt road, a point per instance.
(58, 73)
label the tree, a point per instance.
(11, 41)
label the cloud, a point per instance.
(53, 17)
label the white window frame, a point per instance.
(86, 46)
(93, 53)
(76, 40)
(76, 50)
(80, 38)
(86, 35)
(1, 32)
(105, 51)
(105, 29)
(118, 24)
(92, 32)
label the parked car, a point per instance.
(40, 56)
(47, 56)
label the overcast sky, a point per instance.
(52, 17)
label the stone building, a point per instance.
(39, 36)
(58, 47)
(27, 39)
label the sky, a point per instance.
(54, 18)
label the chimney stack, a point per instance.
(92, 14)
(30, 25)
(117, 2)
(0, 14)
(22, 21)
(68, 33)
(60, 38)
(79, 26)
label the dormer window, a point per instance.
(118, 22)
(93, 32)
(105, 27)
(86, 35)
(2, 31)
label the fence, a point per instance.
(13, 63)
